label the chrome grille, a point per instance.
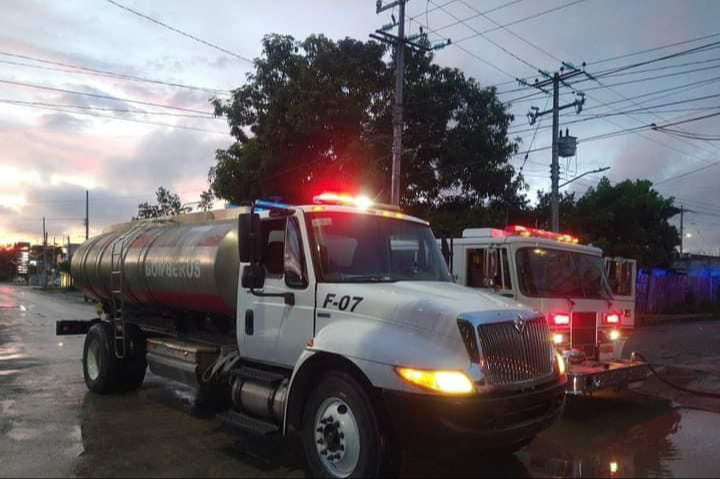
(516, 355)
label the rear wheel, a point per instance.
(106, 374)
(100, 366)
(134, 366)
(342, 434)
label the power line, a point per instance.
(504, 27)
(496, 44)
(447, 4)
(176, 30)
(104, 97)
(644, 108)
(132, 120)
(102, 73)
(115, 110)
(654, 49)
(521, 20)
(691, 51)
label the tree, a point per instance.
(168, 204)
(542, 213)
(629, 219)
(207, 200)
(317, 115)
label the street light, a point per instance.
(599, 170)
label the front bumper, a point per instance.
(492, 421)
(588, 377)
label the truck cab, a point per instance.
(337, 322)
(590, 317)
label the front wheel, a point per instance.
(342, 434)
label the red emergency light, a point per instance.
(346, 199)
(536, 233)
(612, 318)
(559, 319)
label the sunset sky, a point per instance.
(51, 151)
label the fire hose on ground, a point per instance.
(669, 383)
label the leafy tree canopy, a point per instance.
(168, 204)
(317, 115)
(628, 219)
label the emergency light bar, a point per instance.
(536, 233)
(344, 199)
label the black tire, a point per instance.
(134, 366)
(100, 366)
(373, 457)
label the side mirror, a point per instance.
(253, 276)
(250, 238)
(295, 280)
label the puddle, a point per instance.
(682, 443)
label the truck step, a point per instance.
(259, 375)
(248, 423)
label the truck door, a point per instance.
(499, 280)
(622, 277)
(270, 330)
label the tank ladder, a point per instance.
(117, 289)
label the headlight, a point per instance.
(614, 335)
(447, 382)
(562, 367)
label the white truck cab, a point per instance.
(590, 317)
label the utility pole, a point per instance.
(398, 110)
(682, 230)
(45, 245)
(87, 215)
(555, 167)
(400, 42)
(556, 80)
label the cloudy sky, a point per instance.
(60, 134)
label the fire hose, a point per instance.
(667, 382)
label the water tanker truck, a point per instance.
(337, 323)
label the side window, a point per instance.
(273, 255)
(476, 273)
(295, 266)
(476, 268)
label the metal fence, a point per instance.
(673, 294)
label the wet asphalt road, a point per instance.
(50, 426)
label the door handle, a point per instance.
(249, 322)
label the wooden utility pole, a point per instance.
(400, 42)
(556, 80)
(87, 215)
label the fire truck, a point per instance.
(337, 322)
(589, 301)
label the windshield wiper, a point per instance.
(369, 279)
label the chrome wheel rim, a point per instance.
(337, 438)
(93, 363)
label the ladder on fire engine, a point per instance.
(117, 290)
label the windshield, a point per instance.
(366, 248)
(551, 273)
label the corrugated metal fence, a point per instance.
(670, 294)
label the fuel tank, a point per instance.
(188, 263)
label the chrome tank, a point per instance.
(185, 266)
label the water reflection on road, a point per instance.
(618, 436)
(51, 426)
